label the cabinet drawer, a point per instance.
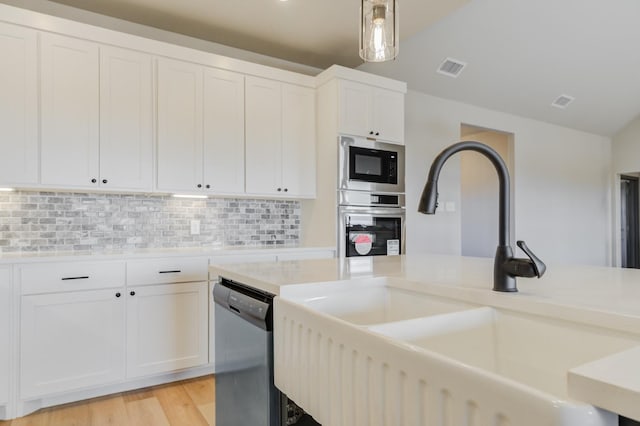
(70, 276)
(167, 270)
(242, 258)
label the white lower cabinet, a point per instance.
(166, 328)
(212, 325)
(5, 333)
(71, 340)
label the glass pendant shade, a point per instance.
(378, 30)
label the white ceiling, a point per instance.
(319, 33)
(521, 54)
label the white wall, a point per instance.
(561, 182)
(479, 194)
(626, 148)
(626, 160)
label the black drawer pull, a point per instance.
(170, 272)
(75, 278)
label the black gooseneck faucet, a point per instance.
(506, 267)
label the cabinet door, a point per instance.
(298, 141)
(223, 105)
(212, 326)
(167, 328)
(179, 126)
(18, 106)
(263, 158)
(71, 340)
(69, 147)
(388, 115)
(354, 110)
(5, 333)
(126, 107)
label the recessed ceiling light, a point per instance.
(562, 101)
(451, 67)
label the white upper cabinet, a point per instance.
(387, 114)
(370, 111)
(18, 106)
(223, 112)
(97, 105)
(263, 136)
(200, 129)
(126, 127)
(179, 126)
(69, 105)
(298, 140)
(280, 139)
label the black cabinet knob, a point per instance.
(199, 185)
(279, 189)
(118, 294)
(286, 189)
(377, 133)
(133, 293)
(371, 132)
(207, 186)
(104, 181)
(94, 180)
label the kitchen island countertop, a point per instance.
(599, 296)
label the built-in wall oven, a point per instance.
(371, 228)
(369, 165)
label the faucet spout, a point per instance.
(506, 268)
(429, 198)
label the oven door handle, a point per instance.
(368, 211)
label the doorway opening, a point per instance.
(629, 222)
(479, 191)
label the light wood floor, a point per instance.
(187, 403)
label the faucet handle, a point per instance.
(538, 265)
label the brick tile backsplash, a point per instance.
(52, 221)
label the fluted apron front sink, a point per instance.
(373, 301)
(480, 366)
(530, 350)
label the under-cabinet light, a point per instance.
(6, 189)
(189, 196)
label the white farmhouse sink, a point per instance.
(385, 353)
(374, 301)
(530, 350)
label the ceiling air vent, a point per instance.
(451, 67)
(562, 101)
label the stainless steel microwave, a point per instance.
(369, 165)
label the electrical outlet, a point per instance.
(195, 227)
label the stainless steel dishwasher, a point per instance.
(245, 392)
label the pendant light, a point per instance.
(378, 30)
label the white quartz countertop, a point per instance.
(600, 296)
(29, 257)
(596, 293)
